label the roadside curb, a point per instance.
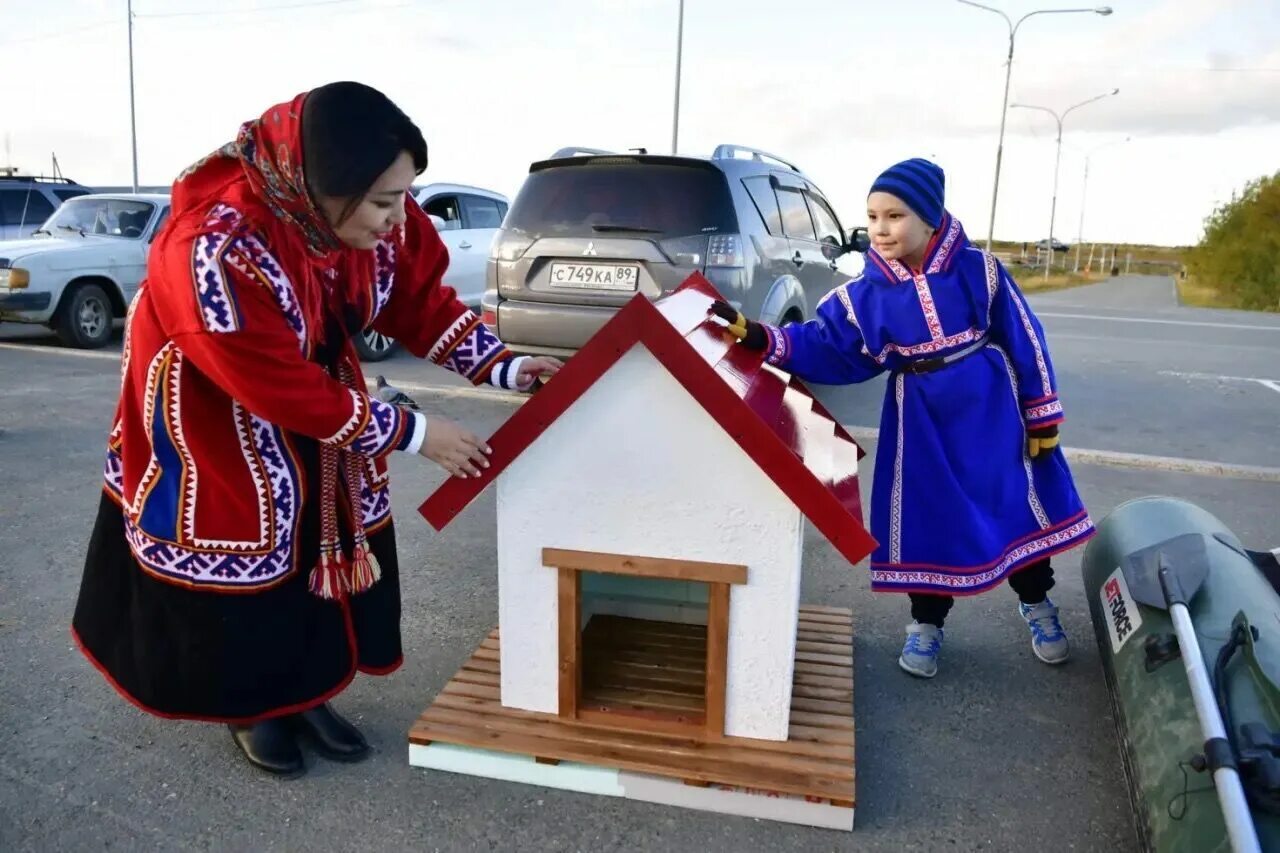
(1081, 455)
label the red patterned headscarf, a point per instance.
(270, 151)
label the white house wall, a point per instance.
(636, 466)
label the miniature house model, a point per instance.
(651, 502)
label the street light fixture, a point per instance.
(1084, 191)
(675, 111)
(1008, 73)
(133, 114)
(1053, 208)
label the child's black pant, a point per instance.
(1031, 584)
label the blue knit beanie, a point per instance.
(919, 183)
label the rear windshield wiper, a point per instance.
(608, 226)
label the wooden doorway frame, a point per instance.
(718, 577)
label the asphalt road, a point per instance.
(1137, 373)
(996, 753)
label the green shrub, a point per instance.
(1239, 255)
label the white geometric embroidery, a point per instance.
(900, 270)
(375, 496)
(1035, 341)
(381, 431)
(916, 577)
(113, 473)
(237, 563)
(372, 428)
(475, 354)
(186, 498)
(930, 309)
(264, 264)
(354, 423)
(1045, 410)
(1033, 499)
(930, 347)
(246, 254)
(846, 299)
(779, 345)
(895, 501)
(212, 294)
(993, 282)
(133, 507)
(384, 271)
(953, 233)
(451, 334)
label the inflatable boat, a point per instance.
(1188, 627)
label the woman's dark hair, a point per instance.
(351, 134)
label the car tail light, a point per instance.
(724, 250)
(686, 251)
(508, 247)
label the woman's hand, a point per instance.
(455, 449)
(538, 367)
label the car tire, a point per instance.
(85, 321)
(374, 346)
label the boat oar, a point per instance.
(1166, 576)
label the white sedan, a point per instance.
(81, 269)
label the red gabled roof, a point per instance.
(772, 417)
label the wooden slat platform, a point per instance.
(644, 670)
(816, 762)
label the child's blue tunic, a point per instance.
(957, 503)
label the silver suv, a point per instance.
(590, 229)
(26, 201)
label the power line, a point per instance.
(1160, 68)
(60, 33)
(243, 11)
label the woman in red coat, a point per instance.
(243, 566)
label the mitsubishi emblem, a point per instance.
(591, 249)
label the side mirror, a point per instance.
(859, 241)
(437, 221)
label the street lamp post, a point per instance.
(1008, 73)
(1084, 192)
(1053, 208)
(133, 120)
(675, 112)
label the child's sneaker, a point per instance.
(920, 652)
(1048, 640)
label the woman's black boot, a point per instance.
(333, 736)
(270, 745)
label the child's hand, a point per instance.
(737, 322)
(1041, 441)
(749, 332)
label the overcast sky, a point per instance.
(843, 89)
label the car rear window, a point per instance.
(588, 199)
(24, 207)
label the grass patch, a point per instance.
(1164, 256)
(1030, 279)
(1198, 294)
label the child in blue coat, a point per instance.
(970, 486)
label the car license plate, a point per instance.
(596, 276)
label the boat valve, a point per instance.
(1160, 649)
